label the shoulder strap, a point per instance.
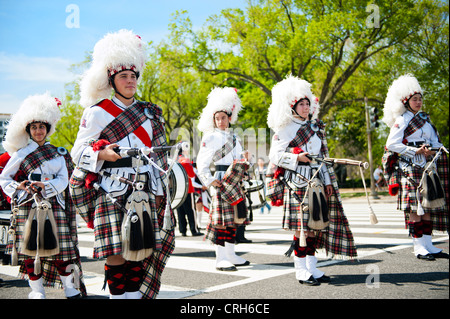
(125, 122)
(305, 132)
(40, 155)
(229, 145)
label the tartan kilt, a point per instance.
(337, 239)
(274, 189)
(220, 213)
(108, 220)
(68, 242)
(156, 262)
(83, 198)
(66, 239)
(107, 230)
(232, 191)
(407, 199)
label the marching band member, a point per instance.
(296, 137)
(118, 60)
(202, 202)
(186, 209)
(43, 240)
(408, 146)
(222, 148)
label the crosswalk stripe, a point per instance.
(265, 229)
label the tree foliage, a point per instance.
(348, 50)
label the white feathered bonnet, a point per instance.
(219, 100)
(119, 51)
(400, 91)
(285, 94)
(36, 108)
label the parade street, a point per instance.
(386, 267)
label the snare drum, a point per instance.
(255, 189)
(178, 184)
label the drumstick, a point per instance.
(343, 161)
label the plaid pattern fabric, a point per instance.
(65, 220)
(407, 199)
(388, 162)
(416, 123)
(125, 123)
(274, 187)
(155, 263)
(66, 238)
(305, 132)
(225, 149)
(40, 155)
(337, 238)
(84, 198)
(45, 153)
(232, 191)
(442, 164)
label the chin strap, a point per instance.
(301, 117)
(117, 91)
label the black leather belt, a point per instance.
(222, 168)
(123, 162)
(417, 144)
(38, 177)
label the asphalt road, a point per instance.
(386, 267)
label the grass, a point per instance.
(359, 194)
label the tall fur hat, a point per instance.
(284, 96)
(220, 100)
(119, 51)
(36, 108)
(398, 94)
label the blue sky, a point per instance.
(37, 46)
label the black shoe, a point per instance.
(440, 254)
(232, 268)
(183, 234)
(244, 264)
(429, 257)
(75, 297)
(310, 282)
(324, 279)
(243, 241)
(197, 234)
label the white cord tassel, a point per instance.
(420, 210)
(167, 222)
(373, 218)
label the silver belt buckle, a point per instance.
(46, 177)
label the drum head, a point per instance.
(178, 184)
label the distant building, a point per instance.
(4, 118)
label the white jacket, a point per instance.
(288, 160)
(93, 121)
(210, 144)
(55, 169)
(425, 134)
